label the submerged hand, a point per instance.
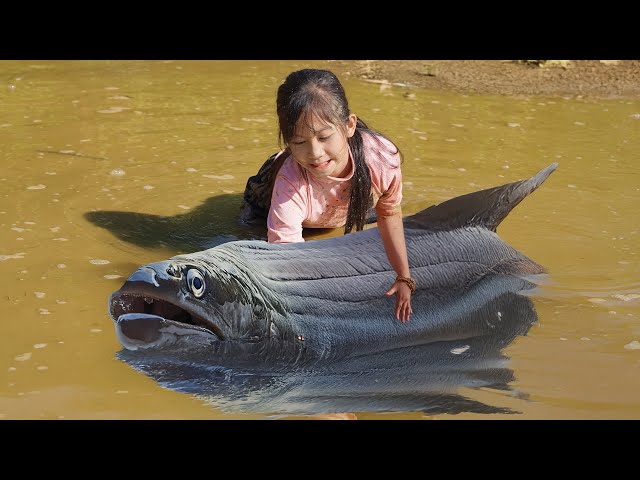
(403, 300)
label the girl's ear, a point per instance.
(351, 125)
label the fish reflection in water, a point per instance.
(421, 378)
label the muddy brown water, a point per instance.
(169, 145)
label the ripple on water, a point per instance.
(625, 294)
(626, 298)
(617, 299)
(635, 345)
(113, 110)
(99, 261)
(15, 255)
(220, 177)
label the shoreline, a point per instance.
(604, 79)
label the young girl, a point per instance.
(332, 171)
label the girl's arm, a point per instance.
(392, 232)
(284, 221)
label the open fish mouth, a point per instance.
(145, 319)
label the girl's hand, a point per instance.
(403, 300)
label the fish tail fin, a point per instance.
(485, 208)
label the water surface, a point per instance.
(111, 164)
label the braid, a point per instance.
(360, 200)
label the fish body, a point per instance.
(249, 301)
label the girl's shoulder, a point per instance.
(381, 150)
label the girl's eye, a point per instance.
(297, 143)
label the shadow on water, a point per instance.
(421, 378)
(212, 223)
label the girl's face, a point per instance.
(321, 148)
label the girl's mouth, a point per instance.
(320, 166)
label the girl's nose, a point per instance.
(315, 150)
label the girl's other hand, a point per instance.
(403, 300)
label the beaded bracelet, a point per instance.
(409, 281)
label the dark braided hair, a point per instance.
(312, 92)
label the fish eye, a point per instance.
(195, 281)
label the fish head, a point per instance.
(182, 302)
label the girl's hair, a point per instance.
(319, 93)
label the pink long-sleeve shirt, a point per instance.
(301, 200)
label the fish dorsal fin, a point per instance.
(485, 208)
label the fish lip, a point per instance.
(126, 317)
(122, 302)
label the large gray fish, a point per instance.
(250, 301)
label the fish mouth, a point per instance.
(143, 317)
